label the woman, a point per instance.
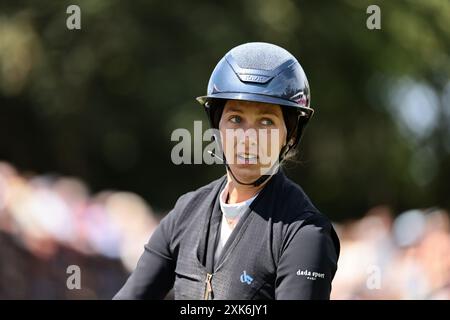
(253, 233)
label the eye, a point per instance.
(235, 119)
(267, 122)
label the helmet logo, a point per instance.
(254, 78)
(301, 101)
(300, 98)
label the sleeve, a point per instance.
(308, 262)
(154, 274)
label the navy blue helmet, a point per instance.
(261, 72)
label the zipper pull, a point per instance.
(208, 287)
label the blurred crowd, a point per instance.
(48, 223)
(406, 257)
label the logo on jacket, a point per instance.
(310, 275)
(246, 278)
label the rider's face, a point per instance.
(253, 134)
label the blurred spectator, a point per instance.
(48, 223)
(408, 258)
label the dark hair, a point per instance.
(291, 158)
(291, 120)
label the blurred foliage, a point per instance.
(101, 102)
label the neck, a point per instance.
(238, 192)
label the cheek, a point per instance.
(222, 135)
(283, 136)
(279, 140)
(222, 129)
(227, 144)
(282, 140)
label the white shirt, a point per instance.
(231, 211)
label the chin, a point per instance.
(246, 173)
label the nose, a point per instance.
(249, 138)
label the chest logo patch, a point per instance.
(246, 278)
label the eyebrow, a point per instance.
(260, 112)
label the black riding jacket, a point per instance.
(281, 248)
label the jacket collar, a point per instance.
(210, 229)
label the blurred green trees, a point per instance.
(101, 103)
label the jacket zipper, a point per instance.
(208, 287)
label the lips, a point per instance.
(247, 158)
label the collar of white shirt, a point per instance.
(233, 210)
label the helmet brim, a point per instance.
(242, 96)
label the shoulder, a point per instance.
(301, 218)
(293, 203)
(198, 196)
(189, 203)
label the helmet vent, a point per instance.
(260, 56)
